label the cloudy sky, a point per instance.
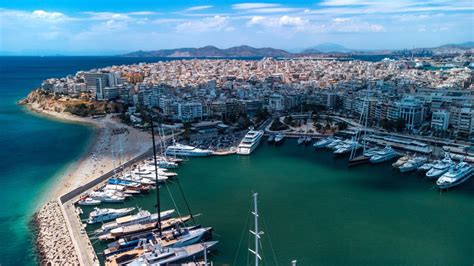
(111, 26)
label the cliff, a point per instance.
(41, 100)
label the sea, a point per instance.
(313, 208)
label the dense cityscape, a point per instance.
(429, 98)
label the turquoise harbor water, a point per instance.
(313, 208)
(33, 149)
(316, 210)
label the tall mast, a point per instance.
(158, 224)
(256, 232)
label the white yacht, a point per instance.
(279, 138)
(250, 141)
(141, 217)
(104, 215)
(455, 176)
(347, 147)
(371, 152)
(439, 168)
(88, 201)
(425, 167)
(384, 155)
(334, 143)
(107, 196)
(413, 164)
(323, 143)
(185, 150)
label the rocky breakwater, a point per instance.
(54, 244)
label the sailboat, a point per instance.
(363, 120)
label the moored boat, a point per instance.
(323, 143)
(104, 215)
(413, 164)
(250, 142)
(386, 154)
(456, 175)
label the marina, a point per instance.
(250, 173)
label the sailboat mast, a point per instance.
(158, 224)
(256, 232)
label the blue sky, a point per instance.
(107, 27)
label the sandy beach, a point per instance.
(113, 143)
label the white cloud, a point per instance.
(341, 20)
(52, 16)
(106, 15)
(197, 8)
(246, 6)
(216, 23)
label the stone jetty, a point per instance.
(55, 246)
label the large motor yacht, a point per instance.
(250, 142)
(185, 150)
(384, 155)
(456, 175)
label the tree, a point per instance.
(399, 124)
(187, 130)
(277, 125)
(288, 120)
(243, 121)
(342, 125)
(261, 115)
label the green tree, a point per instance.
(342, 125)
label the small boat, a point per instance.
(323, 143)
(301, 140)
(271, 138)
(87, 201)
(104, 215)
(401, 161)
(308, 140)
(413, 164)
(279, 138)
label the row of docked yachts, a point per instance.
(447, 172)
(146, 238)
(138, 237)
(341, 147)
(140, 179)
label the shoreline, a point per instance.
(109, 136)
(96, 158)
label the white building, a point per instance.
(440, 120)
(411, 110)
(187, 111)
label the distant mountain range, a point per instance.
(324, 48)
(212, 51)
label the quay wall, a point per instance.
(79, 190)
